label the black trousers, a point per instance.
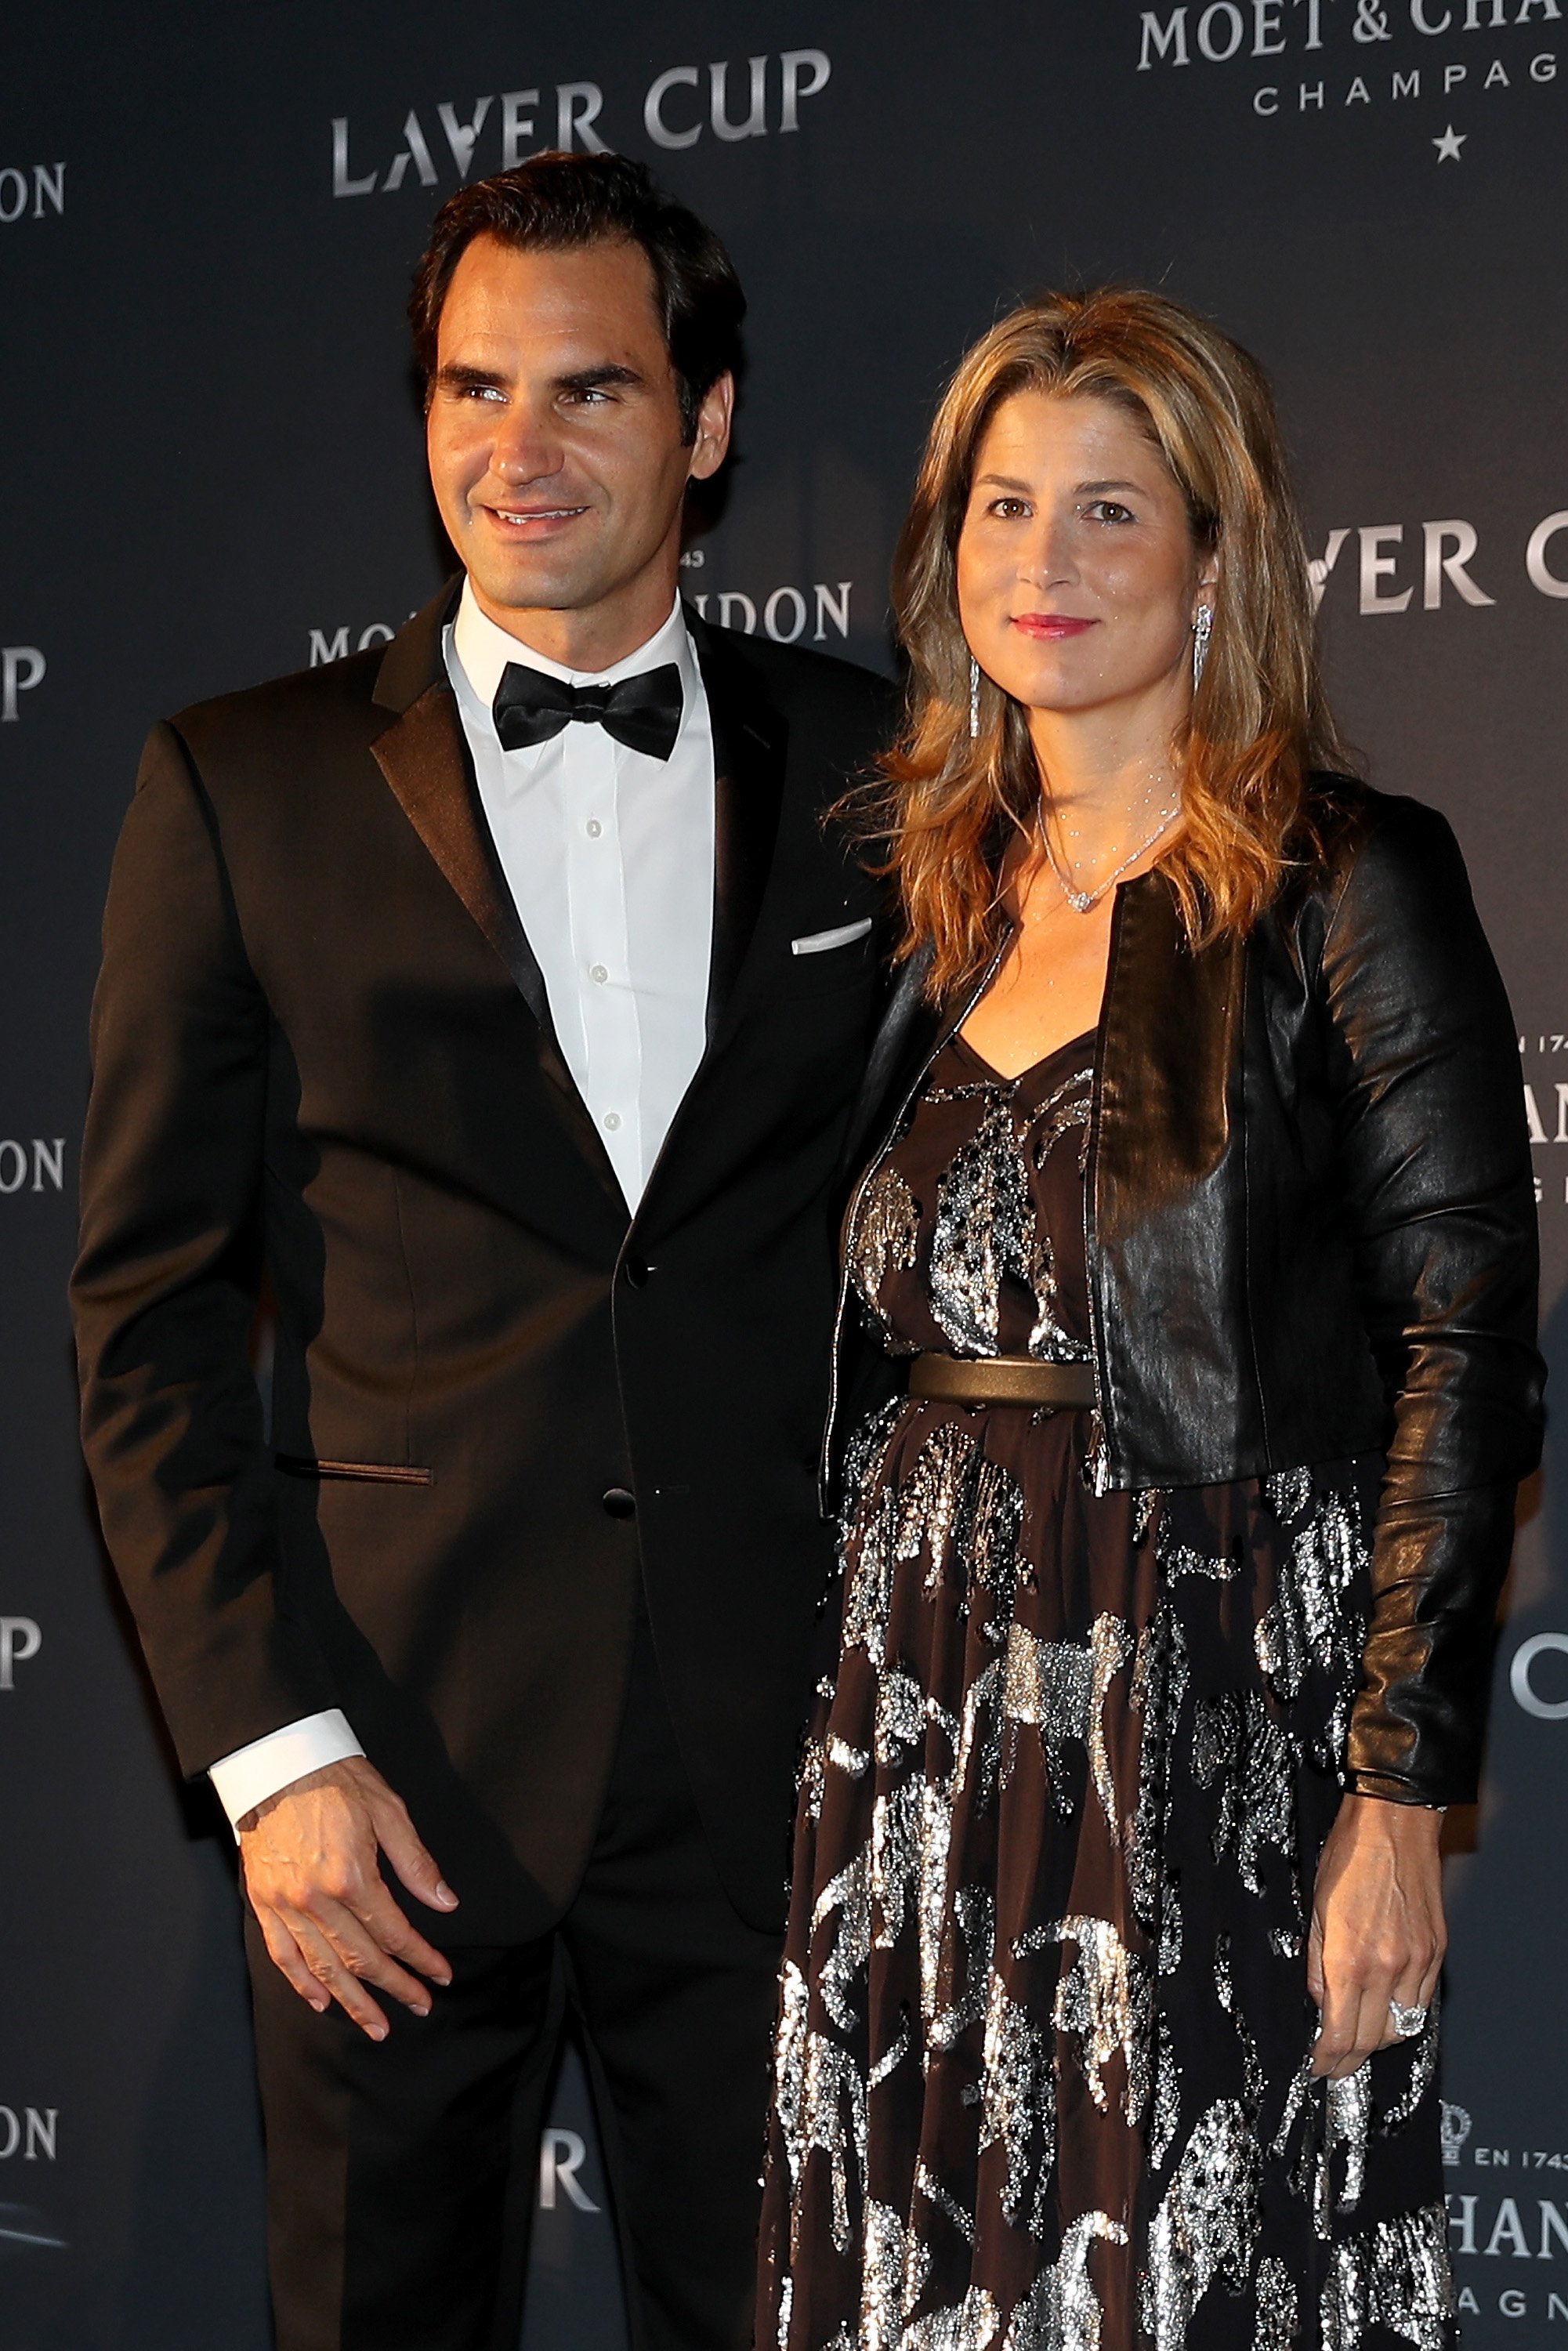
(401, 2176)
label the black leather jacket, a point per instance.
(1311, 1231)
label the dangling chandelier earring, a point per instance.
(1202, 629)
(974, 699)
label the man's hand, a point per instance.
(311, 1870)
(1377, 1928)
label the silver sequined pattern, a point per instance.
(1061, 1688)
(986, 1231)
(1065, 1112)
(1318, 1615)
(1394, 2275)
(869, 1582)
(819, 2101)
(1241, 1750)
(1018, 2108)
(886, 1235)
(896, 2267)
(1061, 2311)
(1423, 2062)
(1104, 2001)
(1205, 2226)
(964, 1971)
(846, 1900)
(971, 2327)
(1349, 2120)
(930, 1498)
(1278, 2306)
(1179, 1559)
(1160, 1679)
(1166, 2116)
(931, 2188)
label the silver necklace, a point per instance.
(1084, 902)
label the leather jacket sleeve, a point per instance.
(1434, 1157)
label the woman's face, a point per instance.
(1078, 577)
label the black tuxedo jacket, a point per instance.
(324, 1070)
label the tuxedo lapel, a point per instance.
(750, 740)
(425, 757)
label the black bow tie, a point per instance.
(644, 712)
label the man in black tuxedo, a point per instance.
(498, 1000)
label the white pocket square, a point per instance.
(819, 942)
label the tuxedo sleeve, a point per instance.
(166, 1286)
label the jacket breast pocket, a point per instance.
(821, 961)
(837, 935)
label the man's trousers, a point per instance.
(401, 2174)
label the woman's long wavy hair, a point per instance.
(947, 807)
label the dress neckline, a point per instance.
(1057, 1053)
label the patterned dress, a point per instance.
(1041, 2072)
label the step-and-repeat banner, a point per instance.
(213, 473)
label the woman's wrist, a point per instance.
(1396, 1817)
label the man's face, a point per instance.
(554, 433)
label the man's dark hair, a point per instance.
(555, 203)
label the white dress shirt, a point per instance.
(609, 855)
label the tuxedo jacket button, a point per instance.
(619, 1503)
(636, 1270)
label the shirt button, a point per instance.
(597, 971)
(618, 1503)
(612, 1121)
(594, 828)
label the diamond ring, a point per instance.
(1407, 2021)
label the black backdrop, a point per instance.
(213, 473)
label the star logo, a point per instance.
(1450, 144)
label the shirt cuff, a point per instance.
(251, 1774)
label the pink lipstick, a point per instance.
(1051, 625)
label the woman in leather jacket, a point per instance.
(1188, 1364)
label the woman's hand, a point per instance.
(1378, 1933)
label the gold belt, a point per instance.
(1002, 1379)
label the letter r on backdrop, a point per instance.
(561, 2156)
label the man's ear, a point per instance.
(710, 443)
